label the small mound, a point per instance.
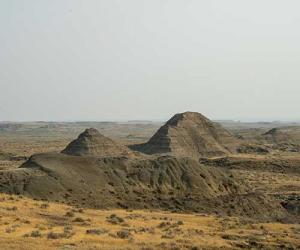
(277, 136)
(285, 139)
(190, 134)
(92, 143)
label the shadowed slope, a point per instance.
(177, 184)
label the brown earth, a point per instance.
(92, 143)
(177, 184)
(190, 134)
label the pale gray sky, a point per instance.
(138, 59)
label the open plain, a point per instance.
(265, 172)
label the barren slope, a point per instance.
(165, 182)
(190, 134)
(92, 143)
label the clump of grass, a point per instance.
(68, 228)
(55, 236)
(35, 234)
(96, 231)
(14, 208)
(168, 235)
(179, 223)
(79, 210)
(10, 230)
(164, 224)
(11, 198)
(114, 219)
(41, 227)
(26, 221)
(83, 222)
(69, 214)
(124, 234)
(78, 219)
(44, 206)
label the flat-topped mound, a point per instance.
(190, 134)
(92, 143)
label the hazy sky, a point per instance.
(136, 59)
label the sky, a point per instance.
(139, 59)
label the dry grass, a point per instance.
(270, 182)
(30, 224)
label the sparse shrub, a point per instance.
(41, 227)
(26, 221)
(35, 234)
(10, 230)
(68, 228)
(180, 222)
(78, 219)
(55, 236)
(80, 210)
(123, 234)
(69, 214)
(44, 206)
(150, 230)
(12, 208)
(97, 231)
(168, 235)
(164, 224)
(114, 219)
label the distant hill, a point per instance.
(190, 134)
(92, 143)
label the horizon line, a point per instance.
(244, 120)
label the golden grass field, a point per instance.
(31, 224)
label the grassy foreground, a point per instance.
(31, 224)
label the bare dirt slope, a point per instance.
(92, 143)
(277, 176)
(190, 134)
(177, 184)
